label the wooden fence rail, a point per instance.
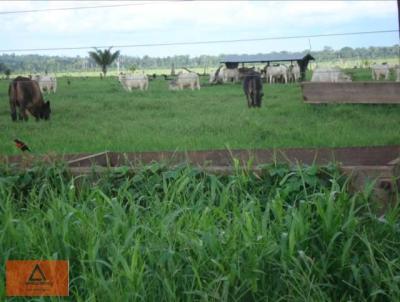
(362, 164)
(351, 92)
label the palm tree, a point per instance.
(104, 58)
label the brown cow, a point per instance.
(253, 89)
(25, 94)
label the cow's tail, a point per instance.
(12, 91)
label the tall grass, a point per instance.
(163, 234)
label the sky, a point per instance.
(149, 22)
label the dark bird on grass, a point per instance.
(21, 145)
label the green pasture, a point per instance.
(92, 115)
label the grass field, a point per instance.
(94, 115)
(289, 234)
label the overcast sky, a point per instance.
(173, 21)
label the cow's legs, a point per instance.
(13, 111)
(22, 114)
(254, 94)
(248, 100)
(258, 104)
(20, 117)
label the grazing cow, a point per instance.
(46, 83)
(331, 75)
(294, 73)
(185, 80)
(397, 72)
(25, 94)
(379, 70)
(252, 86)
(244, 71)
(230, 75)
(216, 77)
(129, 81)
(275, 73)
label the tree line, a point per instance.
(33, 63)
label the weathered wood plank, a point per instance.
(362, 164)
(350, 156)
(351, 92)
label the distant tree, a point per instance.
(104, 58)
(7, 72)
(37, 63)
(2, 67)
(132, 68)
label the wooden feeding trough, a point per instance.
(351, 93)
(362, 164)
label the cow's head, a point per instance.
(173, 85)
(45, 111)
(257, 97)
(212, 77)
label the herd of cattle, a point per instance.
(335, 74)
(269, 74)
(26, 93)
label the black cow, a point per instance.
(25, 94)
(253, 89)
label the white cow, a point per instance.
(397, 72)
(46, 83)
(379, 70)
(129, 81)
(331, 75)
(185, 80)
(230, 75)
(273, 73)
(216, 77)
(294, 73)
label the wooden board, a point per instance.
(351, 93)
(350, 156)
(362, 164)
